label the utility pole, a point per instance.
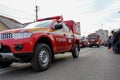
(102, 26)
(36, 9)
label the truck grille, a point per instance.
(5, 36)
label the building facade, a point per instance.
(9, 23)
(103, 34)
(3, 26)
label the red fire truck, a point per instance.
(38, 42)
(93, 40)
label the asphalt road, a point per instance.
(92, 64)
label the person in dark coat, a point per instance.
(116, 42)
(109, 42)
(112, 39)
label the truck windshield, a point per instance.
(92, 36)
(41, 24)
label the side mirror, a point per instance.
(58, 26)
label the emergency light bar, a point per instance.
(51, 18)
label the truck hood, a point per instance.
(24, 30)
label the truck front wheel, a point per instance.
(75, 52)
(42, 57)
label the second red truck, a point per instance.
(93, 40)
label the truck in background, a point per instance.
(93, 40)
(38, 42)
(84, 42)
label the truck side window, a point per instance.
(66, 28)
(59, 29)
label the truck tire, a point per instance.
(42, 57)
(75, 52)
(5, 64)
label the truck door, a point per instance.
(69, 37)
(60, 40)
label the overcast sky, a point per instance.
(92, 14)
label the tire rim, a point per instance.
(44, 57)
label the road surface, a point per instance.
(92, 64)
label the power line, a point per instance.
(15, 13)
(4, 7)
(12, 15)
(2, 11)
(16, 17)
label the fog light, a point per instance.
(18, 47)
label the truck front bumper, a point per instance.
(21, 57)
(8, 56)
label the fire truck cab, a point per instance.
(93, 40)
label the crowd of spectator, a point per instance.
(114, 41)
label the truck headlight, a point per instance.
(97, 42)
(21, 35)
(88, 43)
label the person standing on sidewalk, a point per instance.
(109, 42)
(116, 42)
(113, 34)
(112, 38)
